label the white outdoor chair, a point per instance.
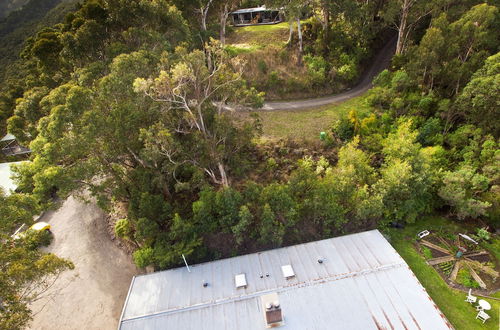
(422, 234)
(470, 298)
(482, 316)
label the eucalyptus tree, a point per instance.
(192, 94)
(405, 16)
(293, 12)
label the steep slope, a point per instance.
(8, 6)
(22, 23)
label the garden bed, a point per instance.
(450, 299)
(477, 268)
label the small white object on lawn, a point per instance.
(470, 298)
(467, 237)
(483, 305)
(482, 316)
(423, 233)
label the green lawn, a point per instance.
(258, 36)
(451, 302)
(307, 124)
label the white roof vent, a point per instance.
(287, 271)
(240, 281)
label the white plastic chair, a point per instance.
(470, 298)
(422, 234)
(482, 316)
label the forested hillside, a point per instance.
(7, 6)
(125, 99)
(23, 23)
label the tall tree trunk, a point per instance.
(204, 14)
(326, 17)
(405, 9)
(290, 35)
(223, 175)
(223, 21)
(299, 32)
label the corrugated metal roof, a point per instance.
(6, 183)
(252, 10)
(8, 137)
(362, 284)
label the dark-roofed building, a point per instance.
(356, 281)
(256, 16)
(10, 146)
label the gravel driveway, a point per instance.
(92, 295)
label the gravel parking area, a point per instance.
(92, 295)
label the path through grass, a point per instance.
(307, 124)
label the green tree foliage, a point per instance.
(187, 92)
(408, 177)
(26, 273)
(15, 210)
(479, 100)
(470, 189)
(271, 229)
(461, 189)
(23, 23)
(245, 220)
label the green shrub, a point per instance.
(343, 129)
(483, 234)
(273, 80)
(447, 267)
(262, 66)
(143, 257)
(35, 239)
(383, 79)
(401, 81)
(123, 228)
(271, 164)
(316, 68)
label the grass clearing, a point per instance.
(461, 314)
(307, 124)
(259, 35)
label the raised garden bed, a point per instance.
(460, 262)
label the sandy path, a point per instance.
(92, 295)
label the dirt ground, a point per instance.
(92, 295)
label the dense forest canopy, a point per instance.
(126, 99)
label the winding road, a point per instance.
(380, 62)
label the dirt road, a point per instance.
(380, 62)
(90, 296)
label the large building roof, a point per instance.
(361, 283)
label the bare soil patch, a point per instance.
(92, 295)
